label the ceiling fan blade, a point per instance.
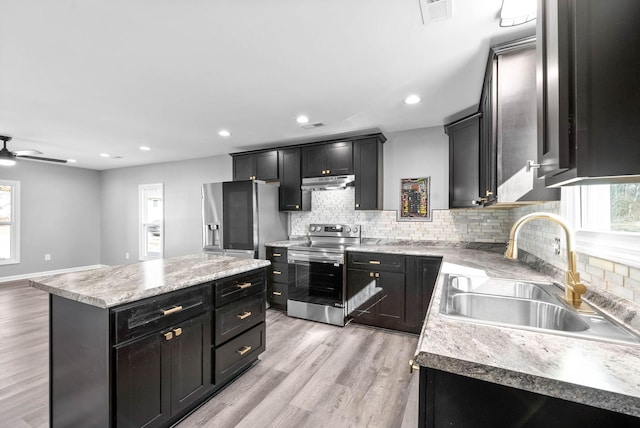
(27, 152)
(42, 159)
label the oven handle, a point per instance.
(307, 260)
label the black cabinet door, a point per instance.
(367, 161)
(362, 294)
(243, 167)
(142, 382)
(266, 165)
(291, 197)
(422, 274)
(327, 159)
(377, 298)
(191, 376)
(464, 162)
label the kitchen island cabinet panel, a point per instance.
(234, 356)
(238, 317)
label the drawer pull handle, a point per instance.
(277, 255)
(277, 293)
(170, 311)
(244, 350)
(244, 285)
(277, 272)
(374, 262)
(177, 331)
(168, 335)
(247, 314)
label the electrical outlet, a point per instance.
(47, 257)
(556, 246)
(126, 256)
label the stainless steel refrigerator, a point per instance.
(239, 217)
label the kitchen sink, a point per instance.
(528, 305)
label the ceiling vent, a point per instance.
(312, 125)
(435, 10)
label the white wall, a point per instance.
(417, 153)
(59, 215)
(182, 204)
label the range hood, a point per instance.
(337, 182)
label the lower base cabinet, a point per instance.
(451, 400)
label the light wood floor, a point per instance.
(311, 375)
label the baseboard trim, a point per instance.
(49, 272)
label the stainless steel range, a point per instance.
(318, 291)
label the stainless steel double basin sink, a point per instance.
(527, 305)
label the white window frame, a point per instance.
(14, 223)
(619, 247)
(142, 225)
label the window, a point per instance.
(607, 220)
(151, 214)
(9, 222)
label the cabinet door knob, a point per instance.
(297, 206)
(244, 315)
(357, 205)
(244, 350)
(177, 331)
(168, 335)
(374, 274)
(244, 285)
(328, 171)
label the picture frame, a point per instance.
(415, 202)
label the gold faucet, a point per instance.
(573, 288)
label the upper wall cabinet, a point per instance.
(256, 166)
(291, 197)
(464, 162)
(588, 91)
(327, 159)
(368, 168)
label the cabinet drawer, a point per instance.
(277, 293)
(279, 272)
(376, 261)
(234, 355)
(277, 254)
(229, 289)
(139, 318)
(237, 317)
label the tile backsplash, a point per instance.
(462, 225)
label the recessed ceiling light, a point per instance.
(412, 99)
(302, 119)
(224, 133)
(72, 160)
(104, 155)
(144, 148)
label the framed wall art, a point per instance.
(414, 199)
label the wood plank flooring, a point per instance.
(311, 375)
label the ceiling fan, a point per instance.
(8, 158)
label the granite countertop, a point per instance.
(288, 243)
(112, 286)
(597, 373)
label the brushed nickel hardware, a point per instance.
(374, 262)
(244, 285)
(531, 165)
(170, 311)
(371, 274)
(168, 335)
(297, 206)
(277, 255)
(324, 171)
(177, 331)
(277, 272)
(244, 315)
(328, 171)
(244, 350)
(357, 205)
(374, 274)
(413, 366)
(488, 193)
(277, 293)
(573, 288)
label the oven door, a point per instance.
(318, 282)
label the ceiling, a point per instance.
(84, 77)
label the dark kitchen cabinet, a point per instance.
(160, 375)
(256, 166)
(588, 91)
(464, 162)
(281, 274)
(452, 400)
(368, 169)
(390, 290)
(328, 159)
(291, 197)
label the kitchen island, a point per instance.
(487, 372)
(144, 344)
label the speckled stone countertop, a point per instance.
(117, 285)
(289, 243)
(597, 373)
